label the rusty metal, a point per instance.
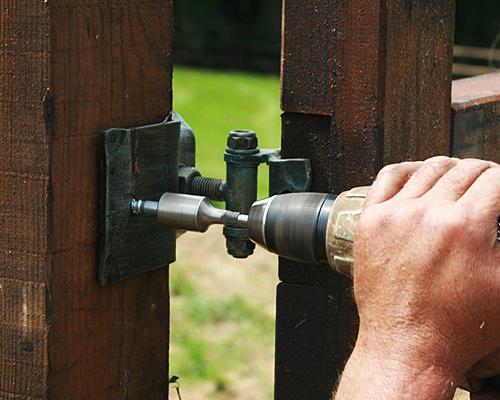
(140, 162)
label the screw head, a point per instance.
(242, 140)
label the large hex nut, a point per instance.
(242, 140)
(186, 175)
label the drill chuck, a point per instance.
(292, 225)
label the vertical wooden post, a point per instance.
(364, 83)
(68, 69)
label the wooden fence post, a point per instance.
(68, 69)
(363, 84)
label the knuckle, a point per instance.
(440, 160)
(474, 163)
(490, 178)
(494, 172)
(389, 170)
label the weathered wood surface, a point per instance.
(363, 84)
(476, 117)
(68, 70)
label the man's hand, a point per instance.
(426, 280)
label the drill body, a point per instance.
(312, 228)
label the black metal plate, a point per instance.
(140, 163)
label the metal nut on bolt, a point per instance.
(186, 176)
(237, 242)
(242, 140)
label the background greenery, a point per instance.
(242, 34)
(215, 102)
(222, 309)
(245, 34)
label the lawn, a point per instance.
(215, 102)
(222, 309)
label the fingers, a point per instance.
(454, 183)
(425, 178)
(390, 180)
(484, 194)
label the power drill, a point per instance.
(312, 228)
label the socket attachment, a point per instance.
(187, 212)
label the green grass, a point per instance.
(199, 355)
(214, 103)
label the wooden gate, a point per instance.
(364, 84)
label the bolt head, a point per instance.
(242, 140)
(240, 248)
(186, 175)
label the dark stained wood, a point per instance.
(476, 117)
(69, 69)
(307, 135)
(303, 320)
(418, 65)
(381, 72)
(307, 58)
(24, 183)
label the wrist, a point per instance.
(393, 372)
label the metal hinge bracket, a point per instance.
(139, 162)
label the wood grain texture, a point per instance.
(418, 65)
(307, 56)
(309, 136)
(24, 185)
(476, 117)
(303, 320)
(69, 69)
(381, 72)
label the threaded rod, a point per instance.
(212, 188)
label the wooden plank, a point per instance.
(418, 61)
(24, 183)
(309, 351)
(476, 117)
(68, 70)
(302, 311)
(382, 73)
(307, 61)
(305, 135)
